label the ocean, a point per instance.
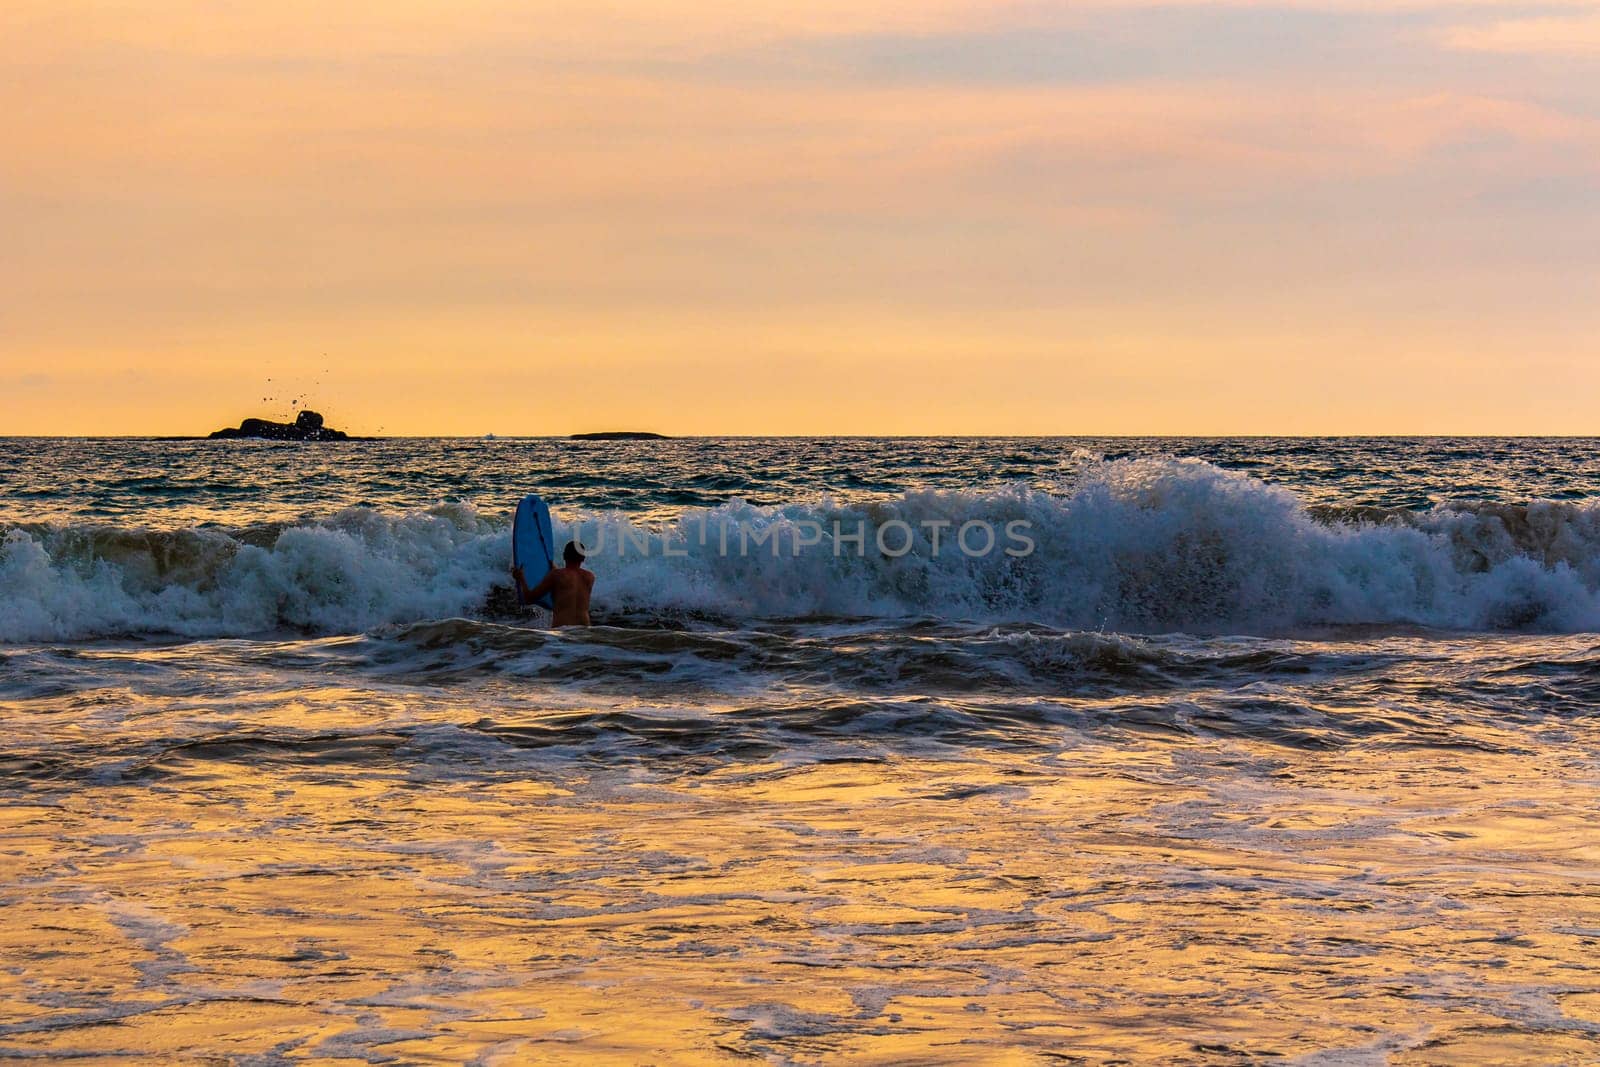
(967, 750)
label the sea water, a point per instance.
(1263, 749)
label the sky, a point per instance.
(775, 217)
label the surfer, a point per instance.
(568, 586)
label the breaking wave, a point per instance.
(1137, 545)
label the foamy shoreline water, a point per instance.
(1214, 775)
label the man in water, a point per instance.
(568, 587)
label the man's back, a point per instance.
(568, 587)
(569, 593)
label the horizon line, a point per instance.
(367, 438)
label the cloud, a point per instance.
(1086, 45)
(1566, 35)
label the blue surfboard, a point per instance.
(533, 544)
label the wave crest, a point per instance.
(1135, 545)
(1149, 545)
(353, 571)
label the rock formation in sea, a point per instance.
(619, 435)
(307, 426)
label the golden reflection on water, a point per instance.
(1097, 904)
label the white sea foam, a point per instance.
(1136, 544)
(1147, 544)
(355, 570)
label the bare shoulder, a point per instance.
(588, 578)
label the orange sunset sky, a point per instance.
(810, 217)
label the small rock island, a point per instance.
(619, 435)
(306, 427)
